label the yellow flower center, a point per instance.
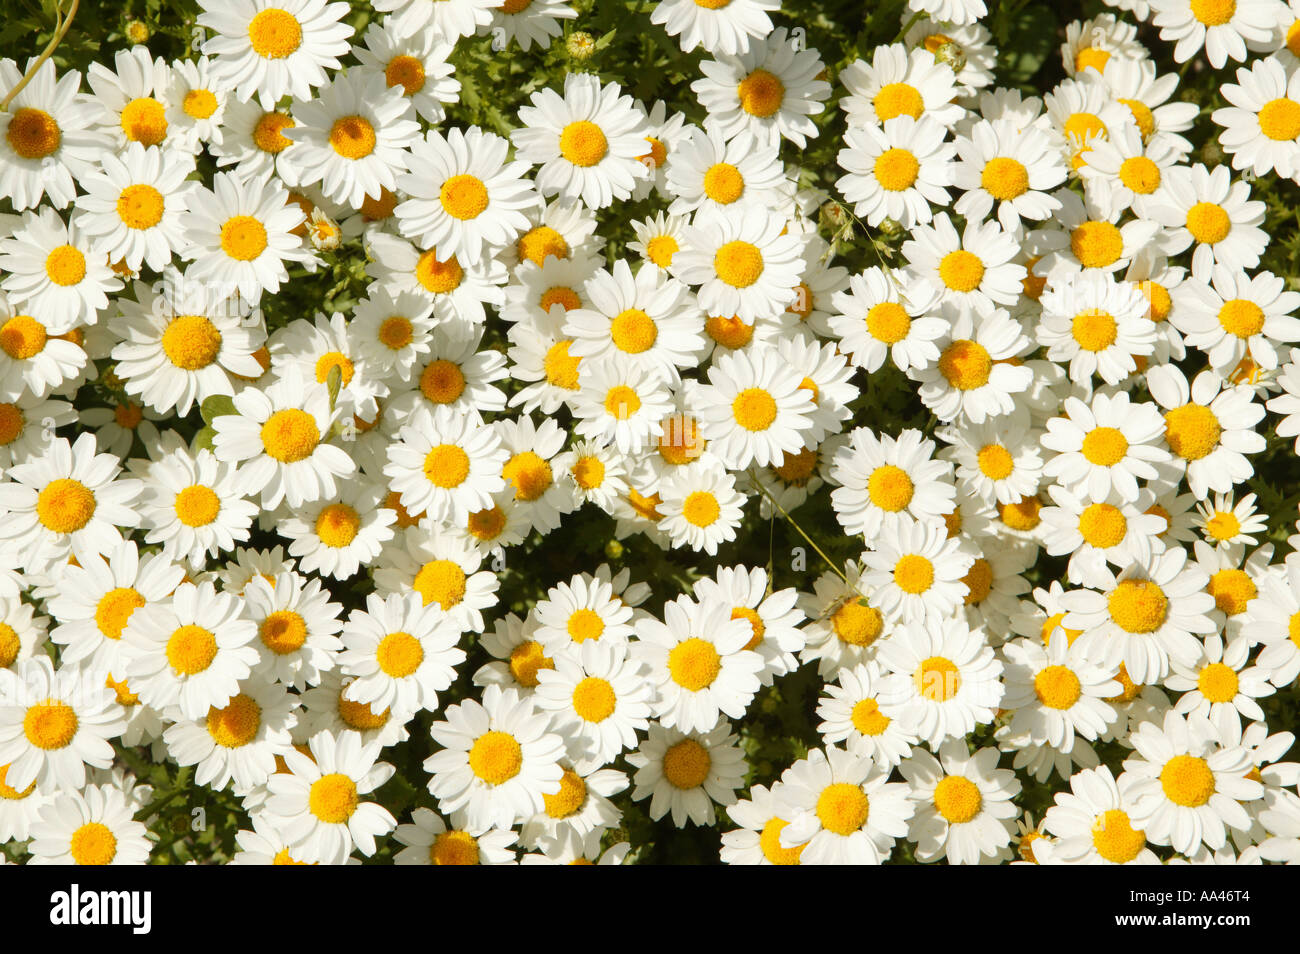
(957, 799)
(1096, 244)
(274, 33)
(583, 143)
(236, 724)
(541, 242)
(738, 263)
(1187, 781)
(890, 488)
(842, 808)
(979, 581)
(857, 624)
(1232, 590)
(1217, 682)
(33, 133)
(995, 462)
(1005, 179)
(913, 573)
(868, 719)
(1090, 56)
(588, 472)
(333, 798)
(144, 120)
(65, 265)
(1241, 317)
(496, 757)
(464, 197)
(569, 799)
(723, 183)
(621, 402)
(700, 508)
(191, 342)
(1057, 687)
(937, 679)
(1102, 525)
(1115, 838)
(65, 505)
(8, 791)
(1224, 525)
(399, 655)
(243, 238)
(769, 839)
(526, 660)
(761, 93)
(438, 277)
(93, 844)
(290, 435)
(898, 99)
(694, 664)
(337, 525)
(888, 322)
(454, 848)
(11, 423)
(961, 271)
(1140, 174)
(441, 581)
(199, 103)
(1208, 223)
(687, 764)
(1213, 12)
(1104, 446)
(269, 135)
(405, 71)
(754, 409)
(1138, 606)
(442, 381)
(594, 699)
(191, 649)
(897, 169)
(50, 724)
(1192, 431)
(633, 331)
(528, 474)
(197, 506)
(140, 206)
(966, 365)
(661, 250)
(115, 608)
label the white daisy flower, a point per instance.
(772, 616)
(719, 26)
(1205, 208)
(428, 840)
(297, 628)
(195, 104)
(758, 840)
(686, 774)
(753, 408)
(882, 479)
(878, 317)
(897, 169)
(1225, 29)
(964, 810)
(1016, 168)
(442, 568)
(1093, 823)
(47, 137)
(238, 741)
(1056, 691)
(1236, 316)
(1107, 445)
(850, 713)
(91, 827)
(899, 82)
(975, 269)
(56, 270)
(972, 379)
(700, 507)
(619, 403)
(335, 537)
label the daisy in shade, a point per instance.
(497, 760)
(766, 92)
(1221, 683)
(649, 321)
(686, 774)
(417, 63)
(98, 596)
(593, 473)
(181, 340)
(56, 271)
(1056, 691)
(850, 713)
(842, 808)
(587, 141)
(21, 633)
(1225, 30)
(598, 695)
(274, 47)
(974, 269)
(402, 653)
(353, 137)
(899, 82)
(1144, 617)
(54, 724)
(465, 198)
(758, 840)
(1190, 783)
(317, 803)
(585, 609)
(621, 405)
(457, 290)
(280, 437)
(393, 333)
(190, 651)
(964, 807)
(698, 660)
(47, 137)
(69, 497)
(973, 378)
(1092, 824)
(744, 264)
(1237, 316)
(707, 171)
(193, 506)
(1206, 209)
(242, 234)
(429, 840)
(239, 741)
(1016, 169)
(1208, 427)
(896, 170)
(754, 408)
(132, 209)
(1275, 616)
(1263, 121)
(942, 679)
(451, 18)
(91, 827)
(729, 26)
(1098, 324)
(518, 658)
(28, 423)
(335, 537)
(297, 628)
(31, 361)
(700, 507)
(879, 316)
(881, 479)
(773, 617)
(1109, 444)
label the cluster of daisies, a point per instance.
(1077, 302)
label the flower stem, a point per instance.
(795, 523)
(61, 24)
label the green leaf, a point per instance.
(216, 406)
(203, 439)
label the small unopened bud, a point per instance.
(951, 55)
(580, 45)
(1212, 153)
(614, 550)
(137, 31)
(891, 228)
(324, 231)
(833, 214)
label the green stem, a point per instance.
(61, 24)
(795, 523)
(908, 25)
